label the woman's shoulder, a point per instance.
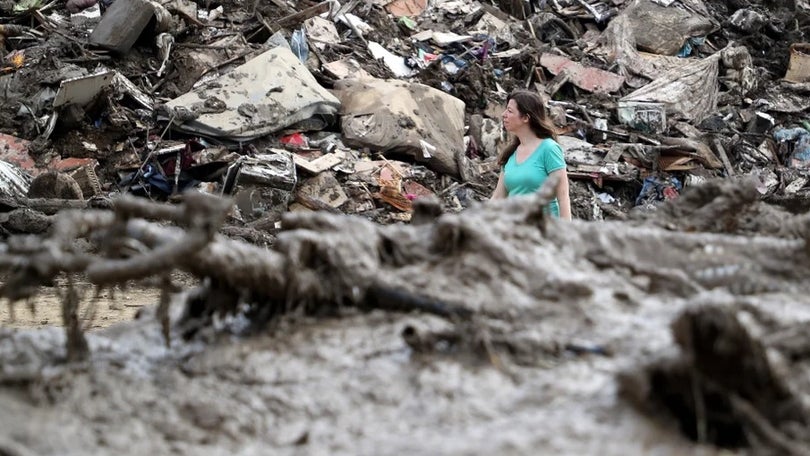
(550, 143)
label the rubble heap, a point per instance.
(362, 107)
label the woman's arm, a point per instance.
(500, 189)
(563, 197)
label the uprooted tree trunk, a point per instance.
(321, 261)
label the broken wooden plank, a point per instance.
(47, 206)
(301, 16)
(614, 154)
(600, 178)
(401, 8)
(721, 151)
(703, 151)
(586, 78)
(319, 164)
(562, 78)
(675, 163)
(313, 204)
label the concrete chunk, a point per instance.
(325, 189)
(271, 92)
(122, 24)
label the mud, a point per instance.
(348, 385)
(488, 331)
(98, 311)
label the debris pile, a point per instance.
(378, 103)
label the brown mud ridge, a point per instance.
(493, 330)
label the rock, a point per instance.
(747, 20)
(25, 220)
(673, 26)
(55, 185)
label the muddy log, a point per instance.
(322, 258)
(49, 206)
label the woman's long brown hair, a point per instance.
(529, 104)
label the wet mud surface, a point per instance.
(486, 331)
(520, 336)
(338, 386)
(104, 310)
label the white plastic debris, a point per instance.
(606, 198)
(87, 17)
(394, 62)
(427, 149)
(352, 20)
(210, 15)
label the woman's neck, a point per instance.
(527, 137)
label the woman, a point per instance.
(533, 155)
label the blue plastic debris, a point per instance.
(799, 157)
(452, 64)
(659, 188)
(789, 134)
(801, 152)
(690, 44)
(299, 46)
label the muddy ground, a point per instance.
(101, 311)
(332, 386)
(529, 340)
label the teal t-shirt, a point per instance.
(528, 176)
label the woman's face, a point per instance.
(512, 118)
